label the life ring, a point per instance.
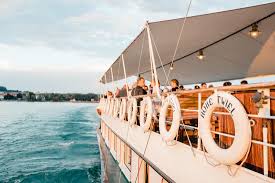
(242, 140)
(122, 109)
(100, 106)
(116, 107)
(132, 111)
(146, 107)
(111, 106)
(170, 100)
(106, 108)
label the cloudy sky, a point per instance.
(66, 45)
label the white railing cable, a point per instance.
(141, 52)
(179, 38)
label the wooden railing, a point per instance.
(261, 157)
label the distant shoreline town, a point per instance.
(16, 95)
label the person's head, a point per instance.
(203, 85)
(145, 88)
(109, 94)
(227, 83)
(181, 87)
(140, 82)
(197, 87)
(210, 86)
(174, 83)
(244, 82)
(153, 83)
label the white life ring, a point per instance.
(242, 139)
(146, 107)
(111, 106)
(172, 101)
(106, 108)
(100, 107)
(132, 111)
(116, 107)
(122, 109)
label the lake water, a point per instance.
(48, 142)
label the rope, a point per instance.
(212, 164)
(189, 141)
(141, 53)
(243, 161)
(181, 31)
(144, 152)
(153, 40)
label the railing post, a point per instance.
(199, 110)
(125, 74)
(265, 149)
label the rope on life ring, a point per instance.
(116, 107)
(146, 107)
(242, 140)
(106, 109)
(122, 109)
(170, 100)
(100, 107)
(111, 106)
(132, 111)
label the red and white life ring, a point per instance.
(172, 101)
(146, 107)
(242, 139)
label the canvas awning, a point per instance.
(230, 52)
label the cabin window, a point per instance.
(127, 156)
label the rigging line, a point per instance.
(153, 40)
(181, 31)
(150, 132)
(141, 52)
(118, 71)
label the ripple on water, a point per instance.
(48, 142)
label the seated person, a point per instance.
(123, 91)
(154, 87)
(197, 87)
(117, 92)
(203, 85)
(138, 89)
(109, 94)
(174, 84)
(227, 83)
(244, 82)
(145, 88)
(181, 87)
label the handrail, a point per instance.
(232, 88)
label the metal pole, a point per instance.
(199, 109)
(125, 75)
(113, 78)
(265, 149)
(152, 58)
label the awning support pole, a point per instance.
(152, 58)
(125, 75)
(112, 78)
(106, 84)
